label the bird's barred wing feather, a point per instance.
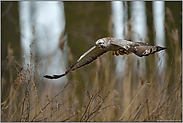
(138, 48)
(88, 57)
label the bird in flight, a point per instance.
(116, 45)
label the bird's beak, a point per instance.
(96, 44)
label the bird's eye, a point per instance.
(100, 43)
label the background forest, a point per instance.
(105, 90)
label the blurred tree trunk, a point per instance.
(123, 68)
(159, 19)
(120, 18)
(42, 26)
(139, 25)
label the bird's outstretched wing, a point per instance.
(88, 57)
(138, 48)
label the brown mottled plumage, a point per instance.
(117, 46)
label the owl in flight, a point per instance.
(117, 46)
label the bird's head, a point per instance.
(101, 43)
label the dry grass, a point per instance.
(99, 95)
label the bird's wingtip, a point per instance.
(48, 77)
(54, 76)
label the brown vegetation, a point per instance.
(101, 96)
